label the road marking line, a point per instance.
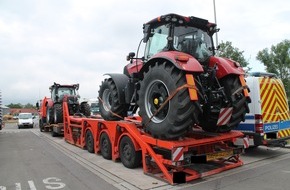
(17, 186)
(31, 185)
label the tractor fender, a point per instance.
(181, 60)
(46, 102)
(120, 80)
(225, 66)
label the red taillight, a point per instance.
(259, 123)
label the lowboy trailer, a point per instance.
(175, 161)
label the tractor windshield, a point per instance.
(193, 41)
(187, 39)
(61, 92)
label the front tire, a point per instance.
(180, 113)
(109, 103)
(86, 109)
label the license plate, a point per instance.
(218, 155)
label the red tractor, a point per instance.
(178, 83)
(51, 110)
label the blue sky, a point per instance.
(74, 41)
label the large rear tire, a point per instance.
(49, 115)
(234, 93)
(109, 103)
(57, 113)
(178, 115)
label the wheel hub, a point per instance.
(155, 96)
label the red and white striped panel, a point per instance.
(225, 116)
(177, 154)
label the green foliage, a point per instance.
(19, 106)
(277, 60)
(227, 50)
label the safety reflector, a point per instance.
(246, 142)
(177, 154)
(224, 116)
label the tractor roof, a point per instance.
(56, 85)
(182, 20)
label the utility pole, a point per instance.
(1, 118)
(215, 20)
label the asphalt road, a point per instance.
(33, 160)
(28, 161)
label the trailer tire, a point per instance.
(110, 106)
(90, 142)
(85, 109)
(57, 113)
(180, 113)
(106, 146)
(237, 100)
(128, 155)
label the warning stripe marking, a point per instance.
(273, 101)
(224, 116)
(284, 133)
(177, 154)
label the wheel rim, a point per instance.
(107, 99)
(155, 95)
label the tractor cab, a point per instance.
(59, 91)
(173, 32)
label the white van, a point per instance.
(25, 120)
(268, 122)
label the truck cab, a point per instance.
(268, 122)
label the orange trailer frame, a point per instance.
(177, 161)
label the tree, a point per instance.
(226, 49)
(18, 106)
(277, 60)
(28, 105)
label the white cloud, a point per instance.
(74, 41)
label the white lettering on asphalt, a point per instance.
(31, 185)
(53, 183)
(17, 186)
(2, 188)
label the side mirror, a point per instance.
(130, 56)
(37, 105)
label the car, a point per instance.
(25, 120)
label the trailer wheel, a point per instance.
(178, 115)
(109, 104)
(57, 113)
(85, 109)
(234, 92)
(106, 146)
(128, 155)
(90, 142)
